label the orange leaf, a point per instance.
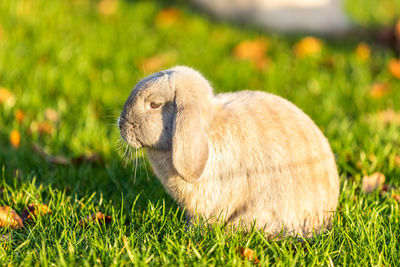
(158, 62)
(15, 138)
(44, 127)
(363, 51)
(389, 116)
(8, 217)
(253, 51)
(98, 216)
(19, 115)
(372, 182)
(378, 90)
(307, 46)
(396, 197)
(167, 17)
(397, 29)
(34, 210)
(397, 160)
(249, 254)
(51, 115)
(107, 7)
(394, 67)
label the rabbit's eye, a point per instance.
(155, 105)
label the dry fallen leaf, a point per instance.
(372, 182)
(15, 138)
(94, 159)
(363, 51)
(33, 210)
(253, 51)
(158, 62)
(99, 217)
(397, 160)
(378, 90)
(396, 197)
(167, 17)
(107, 7)
(58, 160)
(389, 116)
(19, 115)
(51, 115)
(394, 67)
(44, 127)
(248, 254)
(8, 217)
(307, 46)
(397, 29)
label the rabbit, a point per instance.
(248, 158)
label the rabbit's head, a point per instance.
(167, 111)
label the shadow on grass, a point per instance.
(110, 180)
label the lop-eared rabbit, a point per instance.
(249, 157)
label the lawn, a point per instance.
(69, 66)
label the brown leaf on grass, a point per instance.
(15, 138)
(372, 182)
(107, 7)
(33, 210)
(8, 217)
(167, 17)
(394, 67)
(396, 197)
(389, 116)
(98, 216)
(378, 90)
(307, 46)
(363, 51)
(397, 160)
(385, 188)
(397, 29)
(158, 62)
(44, 127)
(58, 160)
(19, 115)
(94, 159)
(51, 115)
(248, 254)
(384, 117)
(254, 51)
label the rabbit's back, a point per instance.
(276, 159)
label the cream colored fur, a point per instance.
(245, 157)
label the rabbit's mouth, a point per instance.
(126, 130)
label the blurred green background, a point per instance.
(69, 65)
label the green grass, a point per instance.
(64, 55)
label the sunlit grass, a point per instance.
(70, 56)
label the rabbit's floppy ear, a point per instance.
(189, 140)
